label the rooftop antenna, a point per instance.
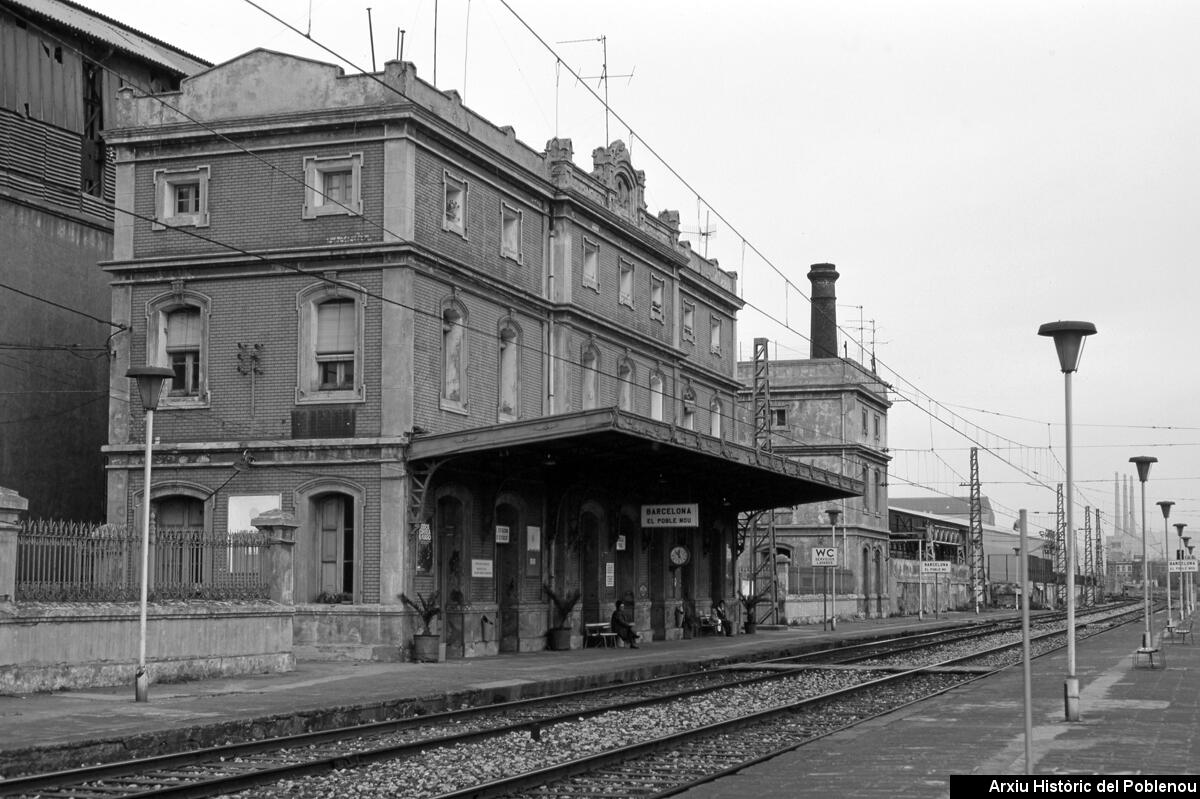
(399, 44)
(371, 34)
(862, 330)
(603, 76)
(704, 232)
(466, 49)
(435, 17)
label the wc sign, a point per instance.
(824, 556)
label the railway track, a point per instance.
(543, 738)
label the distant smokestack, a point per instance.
(823, 326)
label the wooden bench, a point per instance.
(599, 634)
(708, 626)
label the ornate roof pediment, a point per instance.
(626, 186)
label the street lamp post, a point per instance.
(1166, 512)
(1191, 549)
(1143, 468)
(833, 519)
(150, 381)
(1183, 606)
(1068, 341)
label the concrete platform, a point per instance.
(1134, 720)
(45, 731)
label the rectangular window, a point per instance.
(336, 335)
(689, 322)
(864, 424)
(332, 186)
(657, 289)
(591, 264)
(181, 198)
(779, 417)
(866, 478)
(510, 232)
(714, 334)
(876, 427)
(183, 351)
(187, 198)
(454, 217)
(339, 186)
(625, 292)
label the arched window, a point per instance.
(656, 396)
(454, 358)
(626, 376)
(330, 345)
(591, 379)
(688, 418)
(177, 337)
(510, 373)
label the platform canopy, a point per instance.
(608, 446)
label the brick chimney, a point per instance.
(823, 324)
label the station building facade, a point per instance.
(828, 411)
(463, 366)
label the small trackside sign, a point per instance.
(824, 556)
(935, 567)
(683, 514)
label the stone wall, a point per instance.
(51, 647)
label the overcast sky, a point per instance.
(974, 169)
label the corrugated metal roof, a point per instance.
(99, 27)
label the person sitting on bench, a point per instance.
(718, 614)
(622, 626)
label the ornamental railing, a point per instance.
(59, 561)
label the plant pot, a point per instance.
(751, 626)
(560, 639)
(426, 648)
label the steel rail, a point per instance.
(153, 770)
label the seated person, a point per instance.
(621, 625)
(720, 620)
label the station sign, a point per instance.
(824, 556)
(1182, 566)
(935, 567)
(681, 514)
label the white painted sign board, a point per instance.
(935, 567)
(824, 556)
(685, 514)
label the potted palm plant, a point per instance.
(564, 604)
(749, 603)
(426, 644)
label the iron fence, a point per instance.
(59, 561)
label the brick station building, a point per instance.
(460, 364)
